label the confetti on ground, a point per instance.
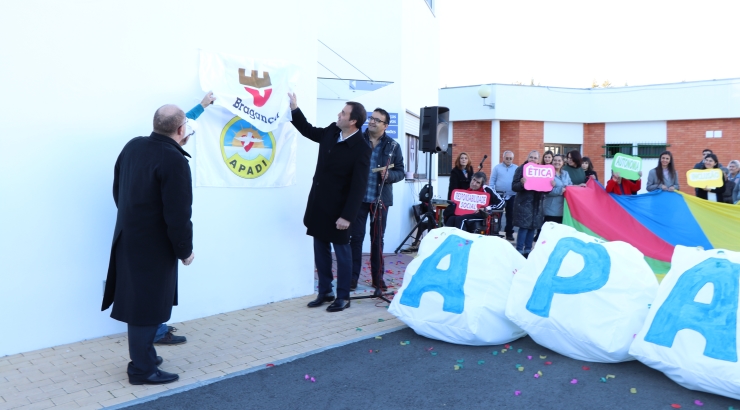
(539, 372)
(698, 403)
(548, 363)
(507, 346)
(313, 380)
(481, 361)
(408, 343)
(430, 349)
(503, 350)
(543, 357)
(494, 353)
(434, 353)
(517, 365)
(306, 377)
(586, 368)
(460, 361)
(521, 369)
(458, 367)
(633, 390)
(536, 376)
(603, 380)
(358, 329)
(270, 365)
(574, 381)
(381, 320)
(371, 350)
(517, 392)
(379, 337)
(676, 406)
(518, 350)
(610, 376)
(405, 343)
(529, 357)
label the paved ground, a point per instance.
(92, 374)
(384, 373)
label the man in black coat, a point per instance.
(386, 168)
(338, 187)
(153, 193)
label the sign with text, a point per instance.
(627, 166)
(539, 177)
(467, 202)
(702, 178)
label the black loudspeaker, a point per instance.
(433, 129)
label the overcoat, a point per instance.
(339, 182)
(528, 205)
(153, 193)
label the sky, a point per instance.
(569, 43)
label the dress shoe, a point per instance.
(378, 292)
(320, 299)
(158, 377)
(338, 305)
(353, 285)
(170, 339)
(159, 361)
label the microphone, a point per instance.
(481, 163)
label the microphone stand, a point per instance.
(377, 219)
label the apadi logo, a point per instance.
(247, 151)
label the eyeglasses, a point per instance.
(508, 157)
(374, 119)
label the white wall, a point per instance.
(653, 132)
(692, 100)
(563, 133)
(80, 79)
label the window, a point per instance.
(561, 149)
(646, 150)
(444, 162)
(412, 144)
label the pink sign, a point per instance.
(468, 202)
(539, 177)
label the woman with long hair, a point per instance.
(547, 157)
(554, 199)
(528, 211)
(461, 174)
(588, 168)
(711, 162)
(664, 175)
(573, 168)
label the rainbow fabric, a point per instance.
(654, 222)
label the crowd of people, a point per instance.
(527, 210)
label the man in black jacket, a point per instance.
(386, 168)
(338, 187)
(153, 193)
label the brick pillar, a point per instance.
(522, 137)
(593, 140)
(474, 138)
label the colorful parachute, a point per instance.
(654, 222)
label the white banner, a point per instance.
(256, 90)
(232, 152)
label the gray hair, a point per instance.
(167, 119)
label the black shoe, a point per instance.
(170, 339)
(353, 285)
(158, 377)
(320, 299)
(338, 305)
(171, 329)
(378, 292)
(509, 238)
(159, 361)
(526, 255)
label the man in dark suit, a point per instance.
(153, 192)
(338, 188)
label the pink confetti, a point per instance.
(430, 349)
(306, 377)
(529, 357)
(544, 242)
(698, 403)
(507, 346)
(313, 380)
(574, 381)
(371, 350)
(536, 376)
(270, 365)
(676, 406)
(517, 392)
(586, 368)
(548, 363)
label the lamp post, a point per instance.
(484, 91)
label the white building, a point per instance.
(79, 79)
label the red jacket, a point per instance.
(628, 187)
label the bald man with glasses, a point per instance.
(502, 176)
(386, 168)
